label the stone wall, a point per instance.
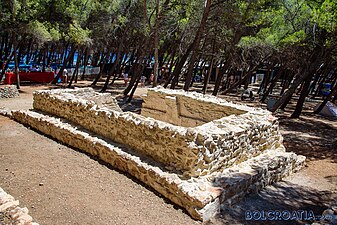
(185, 108)
(202, 197)
(11, 213)
(196, 151)
(8, 91)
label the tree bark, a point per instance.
(156, 43)
(85, 63)
(170, 76)
(134, 87)
(178, 68)
(75, 73)
(6, 65)
(219, 78)
(328, 98)
(272, 84)
(195, 44)
(112, 71)
(99, 75)
(209, 72)
(242, 80)
(301, 100)
(16, 70)
(72, 52)
(313, 62)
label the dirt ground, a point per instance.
(60, 185)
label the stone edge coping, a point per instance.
(10, 208)
(129, 116)
(209, 99)
(6, 112)
(229, 124)
(197, 195)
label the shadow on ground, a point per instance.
(281, 197)
(310, 136)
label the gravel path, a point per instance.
(62, 186)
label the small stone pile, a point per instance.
(329, 216)
(11, 213)
(8, 91)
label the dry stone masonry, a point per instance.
(8, 91)
(11, 213)
(199, 151)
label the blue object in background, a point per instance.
(326, 89)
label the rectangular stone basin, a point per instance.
(189, 133)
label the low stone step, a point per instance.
(200, 196)
(254, 174)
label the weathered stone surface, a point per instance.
(11, 213)
(187, 109)
(196, 151)
(201, 196)
(222, 152)
(8, 91)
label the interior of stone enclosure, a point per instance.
(102, 100)
(182, 110)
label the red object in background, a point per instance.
(38, 77)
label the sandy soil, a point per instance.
(61, 185)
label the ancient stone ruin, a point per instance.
(8, 91)
(11, 213)
(199, 151)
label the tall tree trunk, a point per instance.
(218, 80)
(242, 80)
(286, 81)
(156, 43)
(301, 100)
(195, 44)
(118, 69)
(178, 68)
(44, 58)
(332, 93)
(135, 87)
(8, 46)
(71, 53)
(2, 45)
(136, 73)
(112, 71)
(85, 63)
(266, 79)
(170, 76)
(313, 63)
(209, 72)
(16, 69)
(75, 73)
(6, 65)
(272, 84)
(29, 51)
(321, 81)
(99, 75)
